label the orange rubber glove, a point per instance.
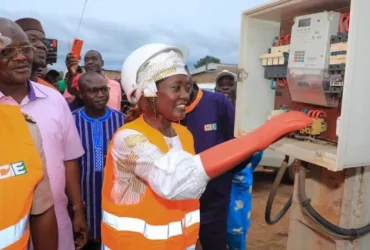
(223, 157)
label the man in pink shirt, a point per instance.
(93, 61)
(61, 141)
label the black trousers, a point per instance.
(213, 236)
(92, 245)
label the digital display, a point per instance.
(304, 22)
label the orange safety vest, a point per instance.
(45, 83)
(20, 172)
(155, 222)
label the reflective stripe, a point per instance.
(12, 234)
(104, 247)
(151, 232)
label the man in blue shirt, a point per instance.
(96, 124)
(210, 118)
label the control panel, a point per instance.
(308, 68)
(310, 40)
(305, 66)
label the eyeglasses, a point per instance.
(95, 91)
(9, 52)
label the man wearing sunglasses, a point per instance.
(61, 142)
(24, 186)
(96, 124)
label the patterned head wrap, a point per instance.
(163, 65)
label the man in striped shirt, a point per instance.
(96, 124)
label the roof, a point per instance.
(210, 67)
(207, 86)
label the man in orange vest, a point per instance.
(27, 206)
(152, 179)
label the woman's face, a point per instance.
(173, 96)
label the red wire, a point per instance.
(342, 21)
(347, 22)
(285, 81)
(287, 39)
(278, 83)
(281, 39)
(319, 112)
(316, 113)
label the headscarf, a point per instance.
(159, 67)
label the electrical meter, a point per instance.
(308, 76)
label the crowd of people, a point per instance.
(146, 162)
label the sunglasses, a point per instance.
(9, 52)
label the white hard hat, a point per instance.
(4, 41)
(136, 60)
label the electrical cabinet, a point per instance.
(321, 70)
(308, 76)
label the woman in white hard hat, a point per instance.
(152, 180)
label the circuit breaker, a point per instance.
(275, 62)
(308, 67)
(338, 56)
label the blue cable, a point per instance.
(305, 111)
(273, 84)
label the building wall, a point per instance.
(210, 77)
(112, 74)
(204, 77)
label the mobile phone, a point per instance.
(77, 47)
(52, 46)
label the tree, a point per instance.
(205, 60)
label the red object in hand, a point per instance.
(77, 48)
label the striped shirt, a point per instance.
(95, 136)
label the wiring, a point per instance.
(273, 84)
(316, 113)
(347, 22)
(276, 42)
(305, 111)
(282, 83)
(325, 225)
(272, 194)
(343, 19)
(287, 39)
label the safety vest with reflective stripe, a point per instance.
(153, 223)
(20, 172)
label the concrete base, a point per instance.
(343, 198)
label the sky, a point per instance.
(117, 27)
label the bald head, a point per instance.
(12, 30)
(88, 79)
(93, 91)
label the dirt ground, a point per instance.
(262, 236)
